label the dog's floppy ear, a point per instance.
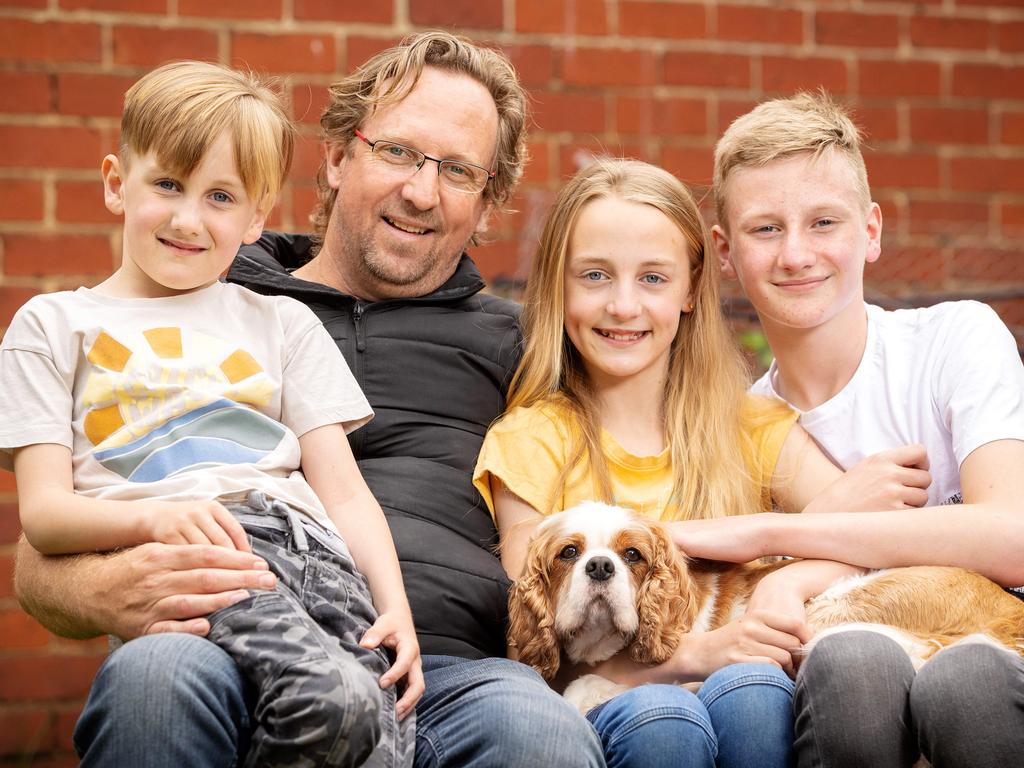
(531, 631)
(665, 602)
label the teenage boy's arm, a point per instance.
(332, 472)
(984, 534)
(151, 588)
(58, 521)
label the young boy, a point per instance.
(163, 405)
(938, 389)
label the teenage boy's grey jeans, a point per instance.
(317, 697)
(859, 704)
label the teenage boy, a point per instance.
(165, 406)
(939, 388)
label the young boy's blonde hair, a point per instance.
(780, 128)
(704, 402)
(180, 109)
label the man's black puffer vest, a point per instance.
(436, 370)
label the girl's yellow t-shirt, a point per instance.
(527, 449)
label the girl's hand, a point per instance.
(193, 522)
(395, 630)
(778, 595)
(893, 479)
(736, 539)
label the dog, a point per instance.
(601, 579)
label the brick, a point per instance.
(1011, 128)
(21, 200)
(48, 677)
(574, 155)
(123, 6)
(992, 81)
(7, 485)
(359, 50)
(722, 70)
(26, 732)
(899, 79)
(457, 14)
(750, 24)
(1011, 219)
(499, 260)
(568, 111)
(284, 53)
(657, 19)
(538, 167)
(948, 126)
(81, 202)
(608, 67)
(670, 116)
(27, 146)
(1011, 311)
(949, 32)
(309, 100)
(150, 46)
(21, 632)
(987, 174)
(308, 156)
(349, 11)
(25, 92)
(903, 170)
(92, 95)
(785, 74)
(26, 3)
(10, 525)
(6, 576)
(232, 9)
(56, 254)
(535, 64)
(304, 202)
(922, 268)
(863, 30)
(893, 213)
(578, 17)
(991, 3)
(48, 41)
(65, 727)
(878, 123)
(694, 165)
(987, 265)
(948, 217)
(729, 110)
(1010, 36)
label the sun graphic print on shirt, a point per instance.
(181, 401)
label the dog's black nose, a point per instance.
(600, 568)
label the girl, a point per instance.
(631, 390)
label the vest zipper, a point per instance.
(357, 322)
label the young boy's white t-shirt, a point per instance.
(196, 396)
(947, 376)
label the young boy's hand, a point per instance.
(194, 522)
(395, 630)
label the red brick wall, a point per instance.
(938, 84)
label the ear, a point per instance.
(259, 220)
(113, 184)
(874, 230)
(720, 242)
(665, 603)
(531, 615)
(484, 223)
(336, 158)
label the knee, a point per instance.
(968, 678)
(846, 658)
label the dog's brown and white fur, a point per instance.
(600, 579)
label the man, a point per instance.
(422, 143)
(938, 389)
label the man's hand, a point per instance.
(151, 588)
(887, 480)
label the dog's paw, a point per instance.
(589, 691)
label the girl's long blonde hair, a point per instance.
(707, 376)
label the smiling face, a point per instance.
(180, 234)
(393, 233)
(627, 282)
(797, 237)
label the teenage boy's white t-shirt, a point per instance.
(948, 377)
(197, 396)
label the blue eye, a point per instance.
(167, 184)
(594, 275)
(824, 222)
(653, 279)
(221, 197)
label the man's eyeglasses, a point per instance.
(454, 174)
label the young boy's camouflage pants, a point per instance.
(318, 701)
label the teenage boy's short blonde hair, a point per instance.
(389, 76)
(180, 109)
(806, 122)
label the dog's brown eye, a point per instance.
(632, 555)
(569, 553)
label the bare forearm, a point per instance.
(365, 530)
(51, 589)
(58, 523)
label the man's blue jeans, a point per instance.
(174, 700)
(741, 718)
